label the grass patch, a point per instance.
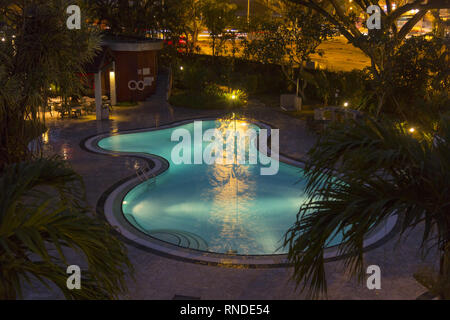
(127, 104)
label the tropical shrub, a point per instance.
(352, 87)
(39, 54)
(43, 216)
(192, 77)
(361, 173)
(212, 97)
(420, 78)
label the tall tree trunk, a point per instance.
(381, 99)
(439, 23)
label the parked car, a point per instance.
(180, 44)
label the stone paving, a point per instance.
(157, 277)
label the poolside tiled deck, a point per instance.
(158, 277)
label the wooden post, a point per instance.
(98, 95)
(112, 84)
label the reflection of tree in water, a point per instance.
(232, 193)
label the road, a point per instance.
(339, 55)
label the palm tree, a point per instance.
(39, 52)
(130, 18)
(361, 173)
(43, 212)
(43, 216)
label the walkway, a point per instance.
(162, 278)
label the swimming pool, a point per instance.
(215, 208)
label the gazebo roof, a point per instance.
(103, 58)
(108, 37)
(131, 43)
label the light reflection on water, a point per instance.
(232, 189)
(66, 151)
(230, 207)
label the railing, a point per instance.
(144, 174)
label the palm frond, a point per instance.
(43, 214)
(359, 174)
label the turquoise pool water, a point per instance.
(215, 208)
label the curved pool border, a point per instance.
(109, 207)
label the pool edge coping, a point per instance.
(136, 238)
